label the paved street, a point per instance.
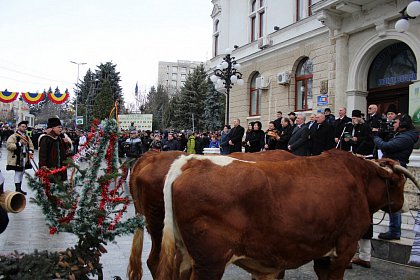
(27, 231)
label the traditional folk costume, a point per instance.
(18, 156)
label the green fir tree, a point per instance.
(190, 101)
(214, 112)
(105, 103)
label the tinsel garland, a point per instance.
(77, 214)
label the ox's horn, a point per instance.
(399, 168)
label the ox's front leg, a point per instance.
(333, 267)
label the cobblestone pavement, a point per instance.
(27, 231)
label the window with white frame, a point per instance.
(174, 76)
(254, 97)
(303, 9)
(256, 19)
(174, 69)
(303, 90)
(216, 37)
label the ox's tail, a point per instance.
(166, 268)
(135, 269)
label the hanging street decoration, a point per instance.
(7, 96)
(33, 98)
(57, 97)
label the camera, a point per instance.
(386, 128)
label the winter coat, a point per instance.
(340, 125)
(171, 145)
(235, 135)
(214, 144)
(17, 152)
(4, 220)
(52, 153)
(256, 141)
(323, 139)
(191, 144)
(224, 144)
(399, 147)
(246, 143)
(271, 139)
(133, 147)
(362, 146)
(299, 140)
(284, 138)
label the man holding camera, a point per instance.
(399, 148)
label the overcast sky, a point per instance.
(39, 38)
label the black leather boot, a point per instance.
(19, 188)
(1, 189)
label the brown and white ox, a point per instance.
(268, 217)
(146, 187)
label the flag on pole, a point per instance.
(136, 90)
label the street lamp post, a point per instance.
(77, 85)
(226, 75)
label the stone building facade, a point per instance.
(304, 56)
(345, 43)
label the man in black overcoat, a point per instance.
(339, 125)
(323, 138)
(235, 137)
(298, 143)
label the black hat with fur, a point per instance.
(53, 122)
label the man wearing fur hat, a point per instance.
(52, 149)
(20, 151)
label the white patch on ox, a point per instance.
(332, 253)
(169, 230)
(175, 171)
(218, 160)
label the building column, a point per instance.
(356, 100)
(341, 70)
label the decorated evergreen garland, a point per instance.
(90, 205)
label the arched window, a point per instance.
(303, 96)
(394, 65)
(254, 97)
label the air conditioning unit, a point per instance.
(264, 42)
(283, 78)
(261, 83)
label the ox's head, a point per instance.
(394, 177)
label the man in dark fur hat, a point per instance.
(52, 149)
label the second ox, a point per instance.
(268, 217)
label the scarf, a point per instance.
(415, 250)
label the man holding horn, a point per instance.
(20, 151)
